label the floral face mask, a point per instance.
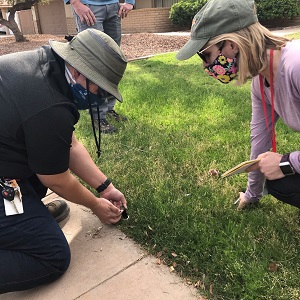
(223, 68)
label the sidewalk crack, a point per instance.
(114, 275)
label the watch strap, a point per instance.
(103, 186)
(285, 165)
(285, 158)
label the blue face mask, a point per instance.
(80, 94)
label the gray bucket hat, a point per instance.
(217, 17)
(96, 56)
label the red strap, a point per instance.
(272, 131)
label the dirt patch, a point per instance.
(133, 45)
(144, 44)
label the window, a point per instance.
(164, 3)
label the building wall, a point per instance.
(127, 22)
(52, 17)
(57, 18)
(143, 4)
(26, 21)
(71, 24)
(148, 20)
(138, 20)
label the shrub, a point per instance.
(183, 12)
(272, 9)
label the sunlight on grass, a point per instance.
(182, 124)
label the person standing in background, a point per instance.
(104, 15)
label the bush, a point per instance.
(272, 9)
(183, 12)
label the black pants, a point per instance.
(286, 189)
(33, 248)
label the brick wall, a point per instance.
(140, 20)
(157, 20)
(71, 25)
(149, 20)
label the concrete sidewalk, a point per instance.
(106, 265)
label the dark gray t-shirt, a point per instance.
(37, 114)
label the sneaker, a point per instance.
(105, 126)
(59, 209)
(114, 115)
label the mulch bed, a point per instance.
(133, 45)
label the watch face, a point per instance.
(286, 168)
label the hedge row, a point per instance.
(182, 13)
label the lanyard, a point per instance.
(97, 141)
(272, 131)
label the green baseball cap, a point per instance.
(96, 56)
(217, 17)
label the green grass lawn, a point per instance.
(182, 123)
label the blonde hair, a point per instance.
(253, 41)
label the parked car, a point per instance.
(2, 29)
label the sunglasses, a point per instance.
(220, 46)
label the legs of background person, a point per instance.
(112, 24)
(33, 249)
(286, 189)
(111, 101)
(105, 127)
(108, 21)
(100, 14)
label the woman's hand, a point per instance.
(268, 165)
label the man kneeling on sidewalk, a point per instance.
(41, 92)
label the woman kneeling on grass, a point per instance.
(233, 44)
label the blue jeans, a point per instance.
(33, 248)
(286, 189)
(107, 21)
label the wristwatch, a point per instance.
(285, 165)
(103, 186)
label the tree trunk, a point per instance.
(19, 35)
(12, 24)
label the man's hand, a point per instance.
(268, 165)
(114, 196)
(107, 212)
(83, 12)
(69, 188)
(125, 8)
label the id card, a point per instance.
(14, 207)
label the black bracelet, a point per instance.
(103, 186)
